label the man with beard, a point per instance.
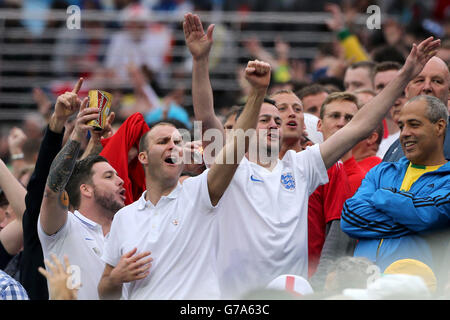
(96, 193)
(177, 223)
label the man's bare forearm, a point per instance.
(108, 289)
(249, 117)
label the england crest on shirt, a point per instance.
(288, 181)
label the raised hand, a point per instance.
(106, 132)
(419, 56)
(60, 286)
(131, 267)
(336, 22)
(198, 42)
(84, 116)
(257, 74)
(69, 102)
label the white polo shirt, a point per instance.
(82, 241)
(263, 224)
(181, 233)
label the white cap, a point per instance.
(292, 283)
(311, 128)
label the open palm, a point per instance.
(419, 56)
(198, 42)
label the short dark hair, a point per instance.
(82, 173)
(337, 96)
(380, 131)
(3, 200)
(333, 84)
(369, 65)
(311, 90)
(174, 122)
(388, 53)
(266, 100)
(143, 143)
(385, 66)
(233, 111)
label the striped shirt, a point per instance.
(10, 289)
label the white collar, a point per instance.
(172, 195)
(85, 220)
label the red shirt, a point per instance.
(324, 205)
(115, 150)
(354, 173)
(369, 162)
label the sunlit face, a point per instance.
(313, 102)
(337, 114)
(163, 158)
(434, 80)
(291, 111)
(358, 78)
(108, 187)
(269, 127)
(418, 135)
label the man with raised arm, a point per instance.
(32, 256)
(96, 192)
(176, 223)
(263, 227)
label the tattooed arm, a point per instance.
(56, 201)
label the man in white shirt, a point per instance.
(95, 191)
(262, 227)
(176, 223)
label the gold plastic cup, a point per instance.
(101, 100)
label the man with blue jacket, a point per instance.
(399, 204)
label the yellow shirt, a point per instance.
(353, 49)
(414, 172)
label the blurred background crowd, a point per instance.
(135, 50)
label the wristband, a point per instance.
(17, 156)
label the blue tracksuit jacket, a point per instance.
(388, 223)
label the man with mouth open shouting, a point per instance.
(175, 223)
(263, 226)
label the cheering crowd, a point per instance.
(322, 192)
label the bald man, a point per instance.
(434, 80)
